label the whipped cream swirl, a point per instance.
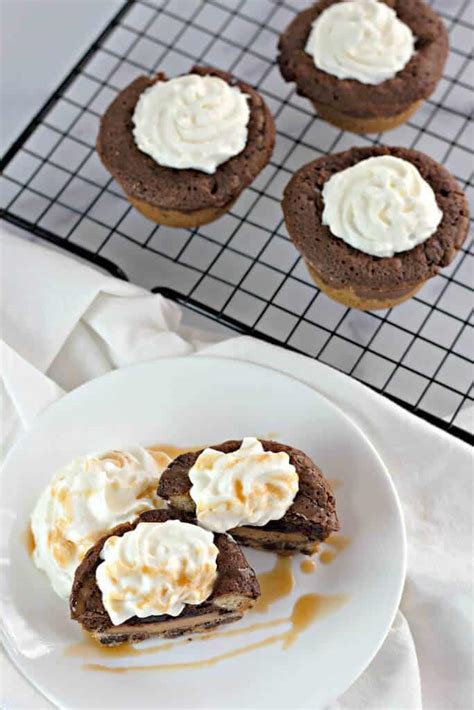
(156, 569)
(360, 39)
(84, 500)
(381, 206)
(249, 486)
(191, 122)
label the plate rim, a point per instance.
(11, 653)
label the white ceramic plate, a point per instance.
(198, 401)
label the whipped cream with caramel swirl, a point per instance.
(156, 569)
(192, 121)
(360, 39)
(381, 206)
(87, 498)
(249, 486)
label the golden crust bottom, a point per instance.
(348, 297)
(175, 218)
(355, 124)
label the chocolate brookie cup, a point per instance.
(371, 238)
(184, 149)
(234, 590)
(366, 65)
(233, 487)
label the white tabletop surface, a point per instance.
(41, 40)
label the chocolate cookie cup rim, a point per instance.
(183, 190)
(350, 97)
(340, 265)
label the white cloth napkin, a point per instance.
(65, 323)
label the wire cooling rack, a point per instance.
(242, 271)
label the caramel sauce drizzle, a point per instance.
(90, 648)
(29, 540)
(307, 566)
(338, 543)
(275, 584)
(306, 609)
(173, 451)
(206, 663)
(247, 629)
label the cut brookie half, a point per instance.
(265, 494)
(159, 564)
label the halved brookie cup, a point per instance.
(265, 494)
(160, 577)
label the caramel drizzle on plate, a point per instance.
(171, 450)
(338, 543)
(276, 584)
(307, 566)
(29, 541)
(306, 609)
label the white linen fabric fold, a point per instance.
(64, 323)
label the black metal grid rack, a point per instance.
(242, 270)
